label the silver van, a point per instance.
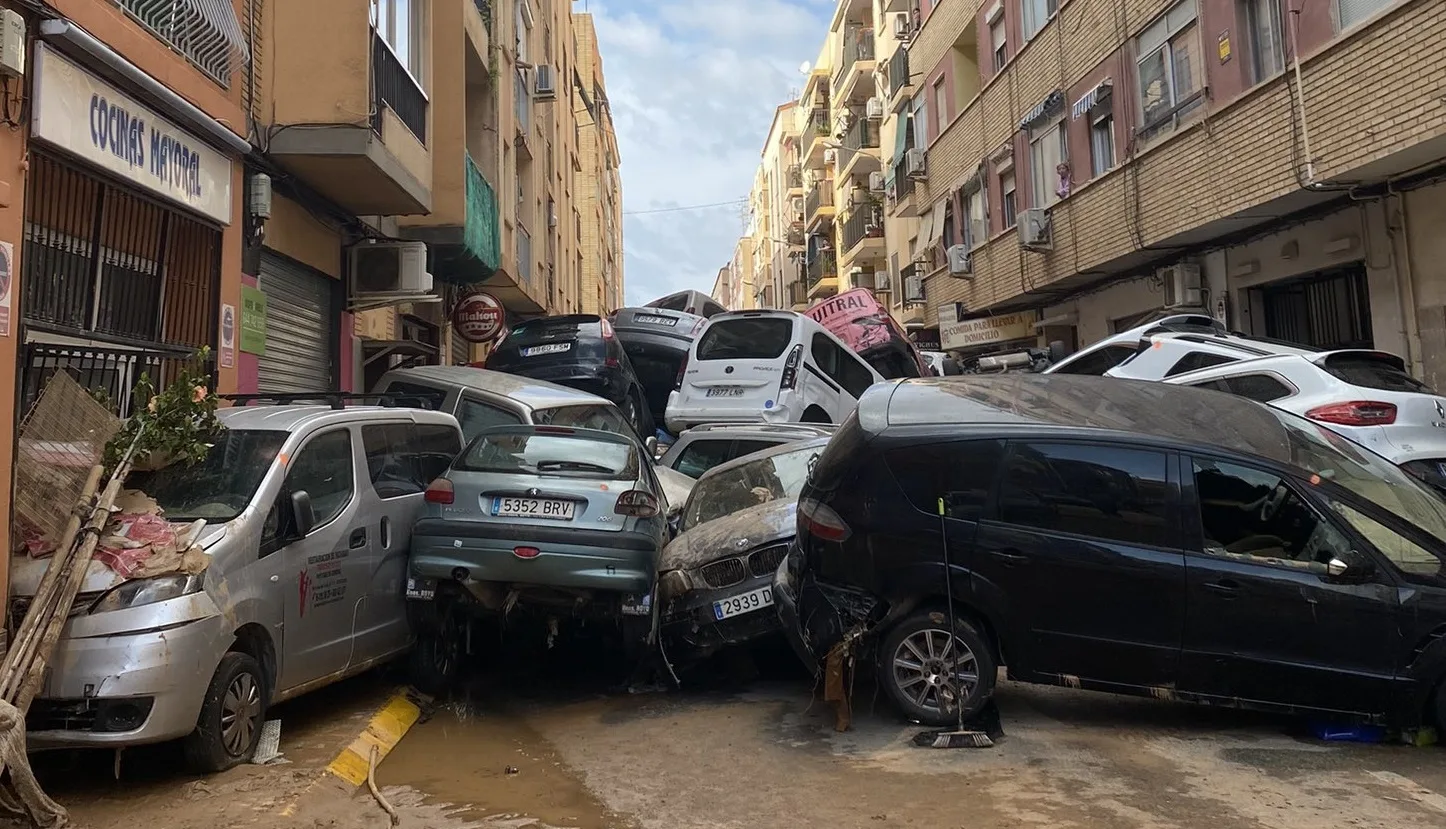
(481, 399)
(310, 511)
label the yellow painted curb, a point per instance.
(385, 729)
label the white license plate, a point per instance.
(725, 391)
(533, 508)
(550, 348)
(743, 603)
(649, 320)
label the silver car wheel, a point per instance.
(240, 709)
(922, 665)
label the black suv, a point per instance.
(578, 350)
(1121, 536)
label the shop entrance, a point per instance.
(1326, 310)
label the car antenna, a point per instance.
(960, 737)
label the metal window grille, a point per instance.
(206, 32)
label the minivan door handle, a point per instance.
(1010, 558)
(358, 538)
(1227, 588)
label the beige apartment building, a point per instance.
(1092, 165)
(776, 215)
(600, 182)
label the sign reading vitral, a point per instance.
(478, 318)
(89, 118)
(954, 334)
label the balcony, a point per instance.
(863, 234)
(901, 198)
(797, 295)
(816, 132)
(318, 125)
(819, 204)
(466, 245)
(901, 85)
(857, 71)
(794, 176)
(823, 275)
(861, 149)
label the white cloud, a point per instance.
(693, 87)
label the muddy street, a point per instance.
(554, 743)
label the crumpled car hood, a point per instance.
(721, 537)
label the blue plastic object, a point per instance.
(1337, 733)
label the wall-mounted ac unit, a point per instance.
(798, 205)
(874, 109)
(914, 289)
(882, 284)
(860, 278)
(903, 26)
(1181, 285)
(1034, 230)
(389, 270)
(876, 182)
(916, 162)
(959, 264)
(830, 156)
(545, 87)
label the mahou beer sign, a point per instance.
(478, 318)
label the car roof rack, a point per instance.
(337, 399)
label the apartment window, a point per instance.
(999, 40)
(1351, 12)
(1036, 14)
(399, 23)
(1048, 149)
(941, 103)
(975, 233)
(1102, 141)
(1007, 202)
(523, 30)
(920, 127)
(1169, 68)
(1267, 55)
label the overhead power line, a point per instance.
(686, 207)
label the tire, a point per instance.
(231, 716)
(917, 690)
(438, 653)
(814, 414)
(630, 414)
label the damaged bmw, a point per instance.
(715, 579)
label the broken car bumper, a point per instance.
(697, 623)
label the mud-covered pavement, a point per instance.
(555, 744)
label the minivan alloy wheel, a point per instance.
(921, 668)
(240, 710)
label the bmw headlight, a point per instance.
(149, 591)
(673, 584)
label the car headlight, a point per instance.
(149, 591)
(673, 584)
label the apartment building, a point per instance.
(777, 203)
(1077, 167)
(600, 182)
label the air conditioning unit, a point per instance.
(915, 161)
(552, 215)
(545, 85)
(830, 156)
(876, 182)
(903, 26)
(389, 269)
(978, 232)
(874, 109)
(881, 282)
(798, 205)
(1034, 230)
(1181, 285)
(859, 278)
(914, 289)
(959, 264)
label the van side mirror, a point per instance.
(1350, 568)
(302, 513)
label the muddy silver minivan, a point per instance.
(309, 514)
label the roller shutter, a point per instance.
(299, 328)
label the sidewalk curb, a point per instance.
(384, 730)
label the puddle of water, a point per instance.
(463, 760)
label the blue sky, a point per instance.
(693, 86)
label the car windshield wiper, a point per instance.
(578, 466)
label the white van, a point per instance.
(770, 367)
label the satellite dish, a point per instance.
(804, 68)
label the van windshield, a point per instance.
(746, 338)
(221, 485)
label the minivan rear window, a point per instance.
(746, 338)
(1368, 372)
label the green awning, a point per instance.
(901, 139)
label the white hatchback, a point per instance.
(767, 367)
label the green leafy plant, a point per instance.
(175, 425)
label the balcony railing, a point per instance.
(863, 135)
(524, 256)
(903, 184)
(797, 293)
(864, 223)
(481, 233)
(820, 196)
(898, 70)
(393, 86)
(858, 45)
(818, 124)
(823, 266)
(795, 176)
(206, 33)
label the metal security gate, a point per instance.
(300, 330)
(1329, 309)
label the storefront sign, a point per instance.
(478, 318)
(228, 336)
(925, 339)
(983, 331)
(7, 284)
(253, 320)
(84, 115)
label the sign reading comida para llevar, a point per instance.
(82, 114)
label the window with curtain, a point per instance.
(999, 43)
(1169, 66)
(1267, 53)
(1048, 148)
(1102, 141)
(1036, 13)
(1351, 12)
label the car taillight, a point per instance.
(820, 520)
(1355, 413)
(698, 326)
(790, 368)
(682, 369)
(607, 329)
(440, 492)
(637, 503)
(611, 362)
